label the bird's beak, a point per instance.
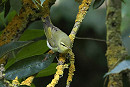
(69, 48)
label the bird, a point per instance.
(57, 40)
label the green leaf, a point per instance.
(36, 48)
(30, 34)
(16, 5)
(42, 2)
(12, 46)
(97, 3)
(10, 16)
(28, 66)
(124, 65)
(7, 8)
(2, 21)
(51, 69)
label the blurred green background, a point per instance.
(91, 64)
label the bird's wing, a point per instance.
(48, 32)
(51, 33)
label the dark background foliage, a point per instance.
(91, 64)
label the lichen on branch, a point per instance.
(71, 68)
(115, 50)
(19, 23)
(80, 16)
(28, 13)
(58, 75)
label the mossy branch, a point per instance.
(80, 16)
(115, 50)
(71, 69)
(28, 13)
(19, 22)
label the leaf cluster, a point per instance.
(6, 5)
(26, 56)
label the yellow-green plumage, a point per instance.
(57, 39)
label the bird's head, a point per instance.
(64, 45)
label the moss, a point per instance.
(115, 50)
(58, 75)
(28, 13)
(80, 16)
(71, 68)
(114, 54)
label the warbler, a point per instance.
(57, 40)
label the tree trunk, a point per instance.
(115, 50)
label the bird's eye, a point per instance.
(63, 44)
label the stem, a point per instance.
(84, 38)
(115, 50)
(80, 16)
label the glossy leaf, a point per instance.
(97, 3)
(124, 65)
(51, 69)
(28, 66)
(7, 8)
(16, 5)
(30, 34)
(12, 46)
(36, 48)
(10, 16)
